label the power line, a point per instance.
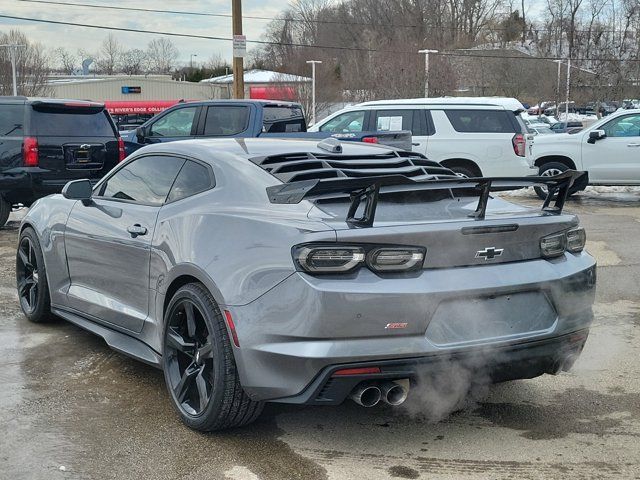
(291, 44)
(257, 17)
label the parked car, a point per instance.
(292, 271)
(609, 150)
(44, 143)
(242, 119)
(565, 127)
(539, 129)
(473, 136)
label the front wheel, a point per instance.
(5, 210)
(31, 278)
(550, 169)
(199, 367)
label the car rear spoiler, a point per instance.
(366, 191)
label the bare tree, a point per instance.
(134, 61)
(162, 54)
(32, 66)
(110, 55)
(67, 61)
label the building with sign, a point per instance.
(132, 88)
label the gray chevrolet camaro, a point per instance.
(254, 270)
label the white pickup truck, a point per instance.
(609, 150)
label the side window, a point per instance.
(345, 123)
(627, 126)
(146, 180)
(394, 120)
(226, 120)
(11, 120)
(177, 123)
(193, 178)
(481, 121)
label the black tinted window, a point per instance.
(145, 180)
(481, 121)
(11, 119)
(72, 123)
(193, 178)
(283, 119)
(226, 120)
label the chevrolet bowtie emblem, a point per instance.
(489, 253)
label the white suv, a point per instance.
(475, 136)
(609, 150)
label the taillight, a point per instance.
(232, 328)
(555, 245)
(356, 371)
(519, 144)
(30, 152)
(370, 139)
(121, 151)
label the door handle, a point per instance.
(415, 144)
(633, 144)
(136, 230)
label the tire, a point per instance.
(550, 169)
(31, 278)
(5, 210)
(463, 171)
(199, 368)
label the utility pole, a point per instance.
(12, 53)
(313, 89)
(559, 62)
(238, 59)
(426, 70)
(191, 60)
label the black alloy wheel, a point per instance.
(199, 364)
(27, 273)
(189, 353)
(31, 278)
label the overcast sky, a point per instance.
(89, 39)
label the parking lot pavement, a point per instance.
(72, 408)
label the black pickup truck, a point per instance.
(44, 143)
(242, 119)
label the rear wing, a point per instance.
(366, 191)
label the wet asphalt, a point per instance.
(71, 408)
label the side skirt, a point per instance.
(120, 342)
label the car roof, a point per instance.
(504, 102)
(275, 103)
(256, 147)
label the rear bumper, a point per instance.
(292, 335)
(499, 364)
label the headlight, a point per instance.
(396, 259)
(576, 239)
(325, 259)
(555, 245)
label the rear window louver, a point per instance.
(295, 167)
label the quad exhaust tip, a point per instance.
(366, 395)
(390, 392)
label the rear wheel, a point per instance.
(550, 169)
(199, 368)
(31, 278)
(5, 210)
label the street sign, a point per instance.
(239, 46)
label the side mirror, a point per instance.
(141, 134)
(78, 190)
(596, 135)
